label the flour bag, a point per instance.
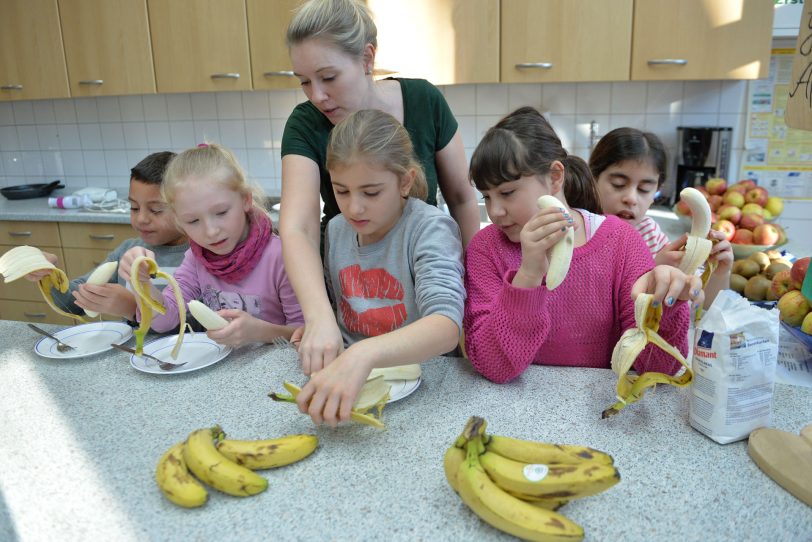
(734, 359)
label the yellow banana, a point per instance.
(207, 317)
(355, 415)
(631, 388)
(561, 254)
(270, 453)
(549, 481)
(374, 394)
(148, 304)
(506, 512)
(213, 468)
(101, 275)
(528, 451)
(399, 372)
(176, 483)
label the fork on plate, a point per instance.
(163, 365)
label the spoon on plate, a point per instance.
(62, 347)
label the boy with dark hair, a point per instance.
(150, 217)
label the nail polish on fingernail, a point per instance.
(696, 306)
(695, 293)
(669, 300)
(655, 304)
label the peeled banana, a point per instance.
(360, 416)
(215, 469)
(101, 275)
(207, 317)
(148, 304)
(399, 372)
(561, 254)
(175, 481)
(698, 246)
(630, 388)
(270, 453)
(22, 260)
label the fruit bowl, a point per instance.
(744, 251)
(800, 335)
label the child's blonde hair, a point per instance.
(213, 162)
(373, 136)
(346, 24)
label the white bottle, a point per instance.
(69, 202)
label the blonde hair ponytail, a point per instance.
(347, 24)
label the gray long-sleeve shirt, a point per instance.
(414, 271)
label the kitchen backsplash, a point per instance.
(95, 141)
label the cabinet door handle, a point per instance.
(96, 82)
(20, 233)
(108, 237)
(669, 61)
(225, 76)
(11, 87)
(34, 314)
(539, 65)
(283, 73)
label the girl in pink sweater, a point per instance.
(511, 319)
(234, 263)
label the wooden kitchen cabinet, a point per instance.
(577, 40)
(701, 39)
(200, 45)
(94, 236)
(267, 25)
(443, 41)
(107, 47)
(32, 61)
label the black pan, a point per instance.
(27, 191)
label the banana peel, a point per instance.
(148, 304)
(356, 415)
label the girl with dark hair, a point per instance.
(512, 320)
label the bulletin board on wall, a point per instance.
(776, 156)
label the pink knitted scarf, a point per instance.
(237, 264)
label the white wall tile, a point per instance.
(135, 135)
(739, 124)
(158, 135)
(733, 97)
(179, 107)
(68, 136)
(182, 133)
(663, 126)
(44, 112)
(260, 163)
(97, 181)
(491, 100)
(700, 119)
(74, 183)
(132, 108)
(701, 97)
(109, 110)
(94, 163)
(155, 107)
(90, 136)
(8, 139)
(28, 138)
(256, 105)
(229, 105)
(468, 131)
(281, 103)
(73, 163)
(581, 152)
(241, 155)
(558, 98)
(52, 164)
(582, 128)
(258, 134)
(204, 106)
(631, 120)
(461, 99)
(207, 130)
(232, 133)
(86, 110)
(32, 164)
(13, 166)
(117, 163)
(521, 94)
(483, 123)
(591, 98)
(48, 137)
(628, 97)
(277, 131)
(6, 114)
(112, 136)
(65, 111)
(665, 97)
(23, 113)
(564, 126)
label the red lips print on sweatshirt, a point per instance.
(366, 289)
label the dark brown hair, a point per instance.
(523, 143)
(622, 144)
(151, 169)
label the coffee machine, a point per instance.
(703, 152)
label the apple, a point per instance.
(806, 325)
(765, 234)
(733, 198)
(753, 208)
(683, 209)
(738, 188)
(747, 183)
(703, 190)
(750, 221)
(725, 226)
(799, 269)
(715, 201)
(714, 217)
(730, 212)
(742, 237)
(782, 283)
(757, 195)
(716, 186)
(775, 205)
(768, 216)
(793, 307)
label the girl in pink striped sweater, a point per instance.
(629, 166)
(511, 319)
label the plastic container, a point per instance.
(69, 202)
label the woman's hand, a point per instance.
(321, 343)
(539, 235)
(112, 299)
(668, 285)
(331, 392)
(39, 274)
(125, 264)
(672, 253)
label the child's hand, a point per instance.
(722, 252)
(242, 328)
(672, 253)
(296, 337)
(112, 299)
(668, 284)
(539, 235)
(320, 344)
(331, 392)
(125, 264)
(38, 275)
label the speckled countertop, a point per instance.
(37, 210)
(81, 439)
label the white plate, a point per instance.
(87, 339)
(402, 388)
(198, 351)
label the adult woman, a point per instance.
(332, 47)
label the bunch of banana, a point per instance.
(561, 254)
(516, 485)
(148, 304)
(226, 465)
(630, 388)
(22, 260)
(373, 395)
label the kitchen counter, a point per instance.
(82, 437)
(37, 210)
